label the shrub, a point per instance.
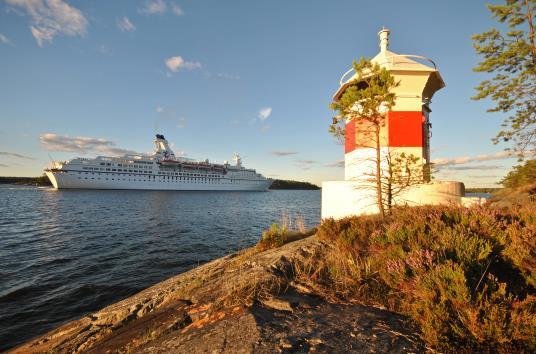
(286, 231)
(273, 237)
(467, 277)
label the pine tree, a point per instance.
(511, 56)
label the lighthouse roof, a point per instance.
(401, 62)
(396, 63)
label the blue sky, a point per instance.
(218, 77)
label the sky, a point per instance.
(97, 77)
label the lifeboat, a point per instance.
(169, 163)
(189, 166)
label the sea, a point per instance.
(67, 253)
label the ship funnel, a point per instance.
(238, 160)
(162, 149)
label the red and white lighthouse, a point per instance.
(406, 129)
(407, 126)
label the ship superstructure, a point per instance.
(160, 171)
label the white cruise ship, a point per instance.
(160, 171)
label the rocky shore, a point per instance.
(247, 302)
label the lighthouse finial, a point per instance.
(384, 38)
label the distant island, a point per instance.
(28, 181)
(286, 184)
(483, 190)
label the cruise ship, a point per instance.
(160, 171)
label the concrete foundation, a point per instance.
(347, 198)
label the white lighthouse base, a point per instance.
(346, 198)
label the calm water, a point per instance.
(66, 253)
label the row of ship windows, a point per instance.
(174, 179)
(127, 164)
(139, 171)
(181, 175)
(116, 169)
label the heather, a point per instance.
(465, 276)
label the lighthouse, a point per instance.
(405, 131)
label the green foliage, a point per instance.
(273, 237)
(35, 181)
(367, 97)
(288, 184)
(521, 175)
(467, 277)
(511, 56)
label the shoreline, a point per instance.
(228, 300)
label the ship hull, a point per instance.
(65, 180)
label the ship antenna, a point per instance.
(51, 159)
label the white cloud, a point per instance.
(160, 7)
(125, 25)
(181, 123)
(228, 76)
(469, 168)
(264, 113)
(336, 164)
(284, 153)
(486, 157)
(104, 49)
(177, 63)
(159, 109)
(152, 7)
(5, 40)
(305, 164)
(176, 9)
(13, 154)
(52, 17)
(82, 144)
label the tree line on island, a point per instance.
(27, 181)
